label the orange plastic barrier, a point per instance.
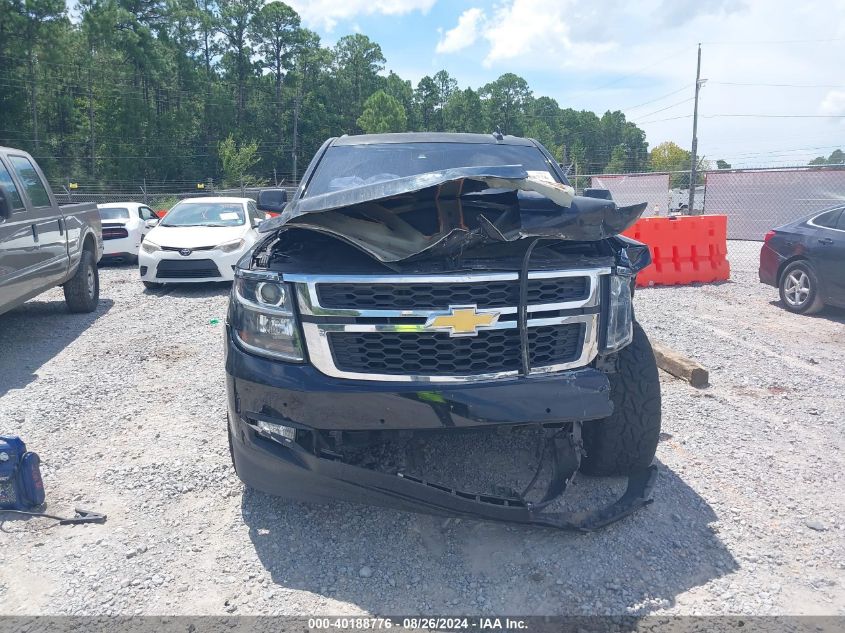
(684, 249)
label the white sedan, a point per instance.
(124, 226)
(199, 240)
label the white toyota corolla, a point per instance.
(199, 240)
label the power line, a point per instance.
(669, 107)
(642, 68)
(753, 42)
(751, 116)
(763, 85)
(668, 94)
(671, 118)
(777, 116)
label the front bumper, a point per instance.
(148, 263)
(295, 473)
(298, 395)
(301, 397)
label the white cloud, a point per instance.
(834, 103)
(464, 34)
(521, 29)
(677, 12)
(327, 13)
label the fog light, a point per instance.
(276, 431)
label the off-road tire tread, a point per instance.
(76, 289)
(627, 440)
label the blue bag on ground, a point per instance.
(21, 487)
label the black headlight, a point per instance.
(620, 311)
(263, 319)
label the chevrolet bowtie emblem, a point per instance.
(462, 321)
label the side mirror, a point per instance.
(151, 223)
(272, 200)
(5, 212)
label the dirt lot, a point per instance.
(126, 408)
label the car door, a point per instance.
(146, 214)
(830, 256)
(47, 226)
(18, 257)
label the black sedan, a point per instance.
(805, 260)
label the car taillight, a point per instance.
(769, 236)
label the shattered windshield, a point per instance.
(348, 166)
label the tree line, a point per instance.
(182, 90)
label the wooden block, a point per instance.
(680, 366)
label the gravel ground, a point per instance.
(126, 408)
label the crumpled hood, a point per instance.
(446, 212)
(194, 236)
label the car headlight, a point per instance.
(263, 319)
(229, 247)
(620, 311)
(149, 247)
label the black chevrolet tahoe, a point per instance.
(440, 282)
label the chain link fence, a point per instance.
(755, 200)
(159, 196)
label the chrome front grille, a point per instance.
(375, 327)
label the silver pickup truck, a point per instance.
(44, 244)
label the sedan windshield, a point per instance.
(348, 166)
(205, 214)
(114, 213)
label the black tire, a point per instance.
(82, 291)
(626, 441)
(799, 288)
(151, 285)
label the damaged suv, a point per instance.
(440, 282)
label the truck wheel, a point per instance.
(799, 288)
(627, 440)
(82, 292)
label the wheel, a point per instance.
(82, 292)
(151, 285)
(799, 288)
(627, 440)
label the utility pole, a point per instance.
(694, 157)
(295, 133)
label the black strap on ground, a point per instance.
(82, 516)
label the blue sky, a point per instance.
(638, 57)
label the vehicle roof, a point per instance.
(429, 137)
(216, 199)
